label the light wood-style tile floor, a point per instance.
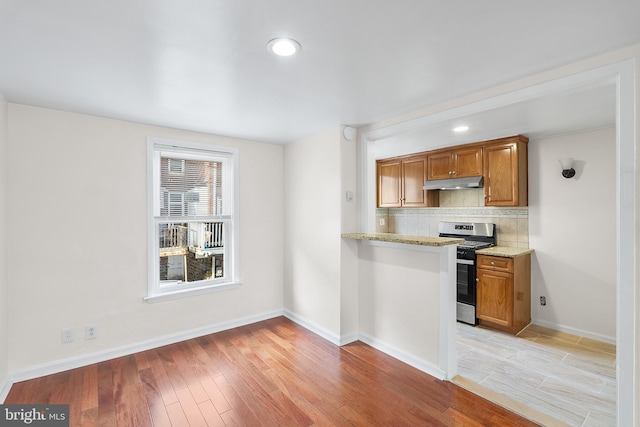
(551, 377)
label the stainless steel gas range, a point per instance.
(476, 235)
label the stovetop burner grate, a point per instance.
(469, 244)
(476, 235)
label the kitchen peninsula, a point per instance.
(401, 238)
(407, 298)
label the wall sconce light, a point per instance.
(567, 167)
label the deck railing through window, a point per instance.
(213, 235)
(199, 235)
(174, 236)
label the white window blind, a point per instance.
(196, 191)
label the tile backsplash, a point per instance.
(472, 197)
(512, 224)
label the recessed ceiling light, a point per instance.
(283, 46)
(460, 129)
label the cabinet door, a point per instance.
(495, 297)
(500, 175)
(413, 176)
(439, 166)
(389, 184)
(468, 162)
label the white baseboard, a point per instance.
(61, 365)
(5, 386)
(313, 327)
(346, 339)
(91, 358)
(407, 358)
(574, 331)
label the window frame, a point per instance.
(157, 291)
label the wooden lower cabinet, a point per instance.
(504, 292)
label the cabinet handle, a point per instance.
(493, 263)
(477, 280)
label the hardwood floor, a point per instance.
(565, 379)
(272, 373)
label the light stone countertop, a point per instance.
(401, 238)
(504, 251)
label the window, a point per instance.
(192, 210)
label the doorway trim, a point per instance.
(622, 73)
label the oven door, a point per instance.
(466, 291)
(466, 281)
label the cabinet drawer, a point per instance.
(495, 263)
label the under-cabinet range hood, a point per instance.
(454, 183)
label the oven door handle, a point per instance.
(465, 261)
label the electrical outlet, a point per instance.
(381, 221)
(90, 332)
(67, 335)
(543, 300)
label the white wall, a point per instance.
(77, 236)
(400, 301)
(348, 247)
(572, 227)
(313, 195)
(4, 306)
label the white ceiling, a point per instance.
(581, 109)
(203, 64)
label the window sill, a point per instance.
(184, 293)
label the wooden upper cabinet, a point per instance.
(502, 162)
(400, 182)
(505, 172)
(389, 183)
(414, 174)
(458, 163)
(439, 165)
(468, 162)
